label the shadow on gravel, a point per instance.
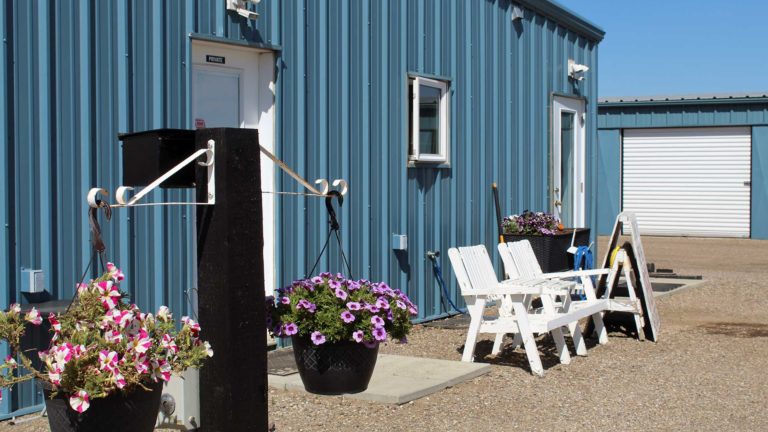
(741, 330)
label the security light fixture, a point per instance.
(517, 12)
(576, 71)
(240, 6)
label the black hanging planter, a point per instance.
(133, 412)
(334, 368)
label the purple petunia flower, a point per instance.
(340, 293)
(352, 285)
(371, 308)
(377, 321)
(334, 285)
(291, 329)
(285, 300)
(380, 334)
(339, 276)
(347, 316)
(413, 310)
(317, 280)
(354, 306)
(317, 338)
(400, 304)
(390, 317)
(357, 335)
(382, 303)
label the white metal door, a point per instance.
(568, 160)
(234, 87)
(688, 181)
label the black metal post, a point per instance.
(233, 384)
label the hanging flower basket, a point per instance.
(107, 360)
(336, 325)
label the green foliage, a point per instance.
(102, 344)
(340, 309)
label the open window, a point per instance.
(429, 121)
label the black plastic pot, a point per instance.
(550, 251)
(133, 412)
(334, 368)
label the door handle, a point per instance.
(558, 203)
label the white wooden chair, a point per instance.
(478, 283)
(519, 258)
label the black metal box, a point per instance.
(148, 155)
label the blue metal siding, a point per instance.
(72, 76)
(343, 114)
(609, 179)
(630, 116)
(759, 227)
(614, 116)
(75, 74)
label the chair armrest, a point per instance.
(577, 273)
(517, 287)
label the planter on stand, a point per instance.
(334, 368)
(133, 412)
(551, 251)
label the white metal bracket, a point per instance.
(210, 153)
(341, 184)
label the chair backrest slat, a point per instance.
(465, 285)
(479, 267)
(524, 258)
(509, 263)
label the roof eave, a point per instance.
(565, 17)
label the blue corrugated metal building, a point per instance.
(723, 170)
(335, 84)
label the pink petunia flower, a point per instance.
(357, 335)
(164, 314)
(382, 303)
(113, 336)
(193, 326)
(340, 293)
(55, 324)
(15, 308)
(107, 360)
(290, 329)
(161, 370)
(169, 344)
(143, 343)
(54, 375)
(10, 362)
(118, 378)
(80, 401)
(377, 321)
(380, 334)
(115, 272)
(317, 338)
(34, 317)
(347, 316)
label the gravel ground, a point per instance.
(707, 372)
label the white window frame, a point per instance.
(443, 128)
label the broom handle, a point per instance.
(495, 190)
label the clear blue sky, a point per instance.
(656, 47)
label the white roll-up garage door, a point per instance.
(688, 181)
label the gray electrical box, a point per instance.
(32, 281)
(399, 242)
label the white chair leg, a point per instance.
(517, 340)
(602, 333)
(575, 331)
(557, 334)
(528, 340)
(476, 314)
(497, 342)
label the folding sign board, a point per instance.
(640, 268)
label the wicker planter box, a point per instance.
(551, 250)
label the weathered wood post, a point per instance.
(233, 384)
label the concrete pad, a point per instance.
(398, 379)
